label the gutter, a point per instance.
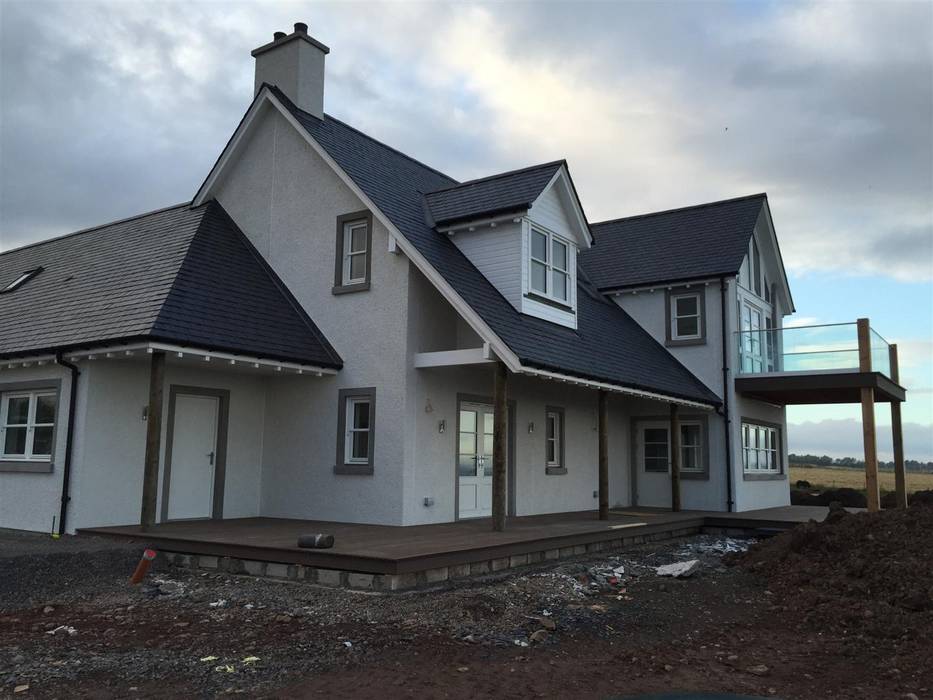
(727, 421)
(69, 438)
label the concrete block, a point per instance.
(254, 568)
(478, 568)
(395, 582)
(518, 560)
(579, 549)
(436, 575)
(181, 560)
(499, 564)
(361, 581)
(329, 577)
(535, 557)
(566, 552)
(307, 573)
(594, 547)
(206, 562)
(459, 571)
(276, 570)
(551, 554)
(231, 565)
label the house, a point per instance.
(332, 330)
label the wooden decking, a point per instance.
(381, 549)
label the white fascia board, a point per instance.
(615, 388)
(569, 194)
(443, 286)
(683, 284)
(775, 245)
(452, 358)
(233, 360)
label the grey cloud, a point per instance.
(843, 438)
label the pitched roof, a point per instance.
(608, 345)
(513, 191)
(180, 275)
(706, 240)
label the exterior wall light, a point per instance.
(531, 427)
(441, 426)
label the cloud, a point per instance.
(843, 438)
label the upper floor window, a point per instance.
(550, 266)
(354, 252)
(27, 425)
(685, 313)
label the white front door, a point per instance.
(474, 460)
(194, 452)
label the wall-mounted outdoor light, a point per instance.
(531, 427)
(441, 425)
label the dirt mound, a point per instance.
(850, 498)
(870, 572)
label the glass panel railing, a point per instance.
(799, 349)
(880, 354)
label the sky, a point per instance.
(112, 109)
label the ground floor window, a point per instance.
(760, 448)
(554, 440)
(355, 431)
(27, 424)
(656, 447)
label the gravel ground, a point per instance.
(71, 626)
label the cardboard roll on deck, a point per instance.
(318, 541)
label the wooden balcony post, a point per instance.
(900, 473)
(603, 428)
(153, 440)
(499, 446)
(868, 418)
(675, 458)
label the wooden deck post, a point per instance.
(900, 473)
(675, 458)
(153, 440)
(869, 438)
(603, 428)
(499, 446)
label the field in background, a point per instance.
(839, 477)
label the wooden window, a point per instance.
(550, 268)
(354, 252)
(761, 448)
(686, 324)
(691, 447)
(656, 448)
(554, 440)
(27, 425)
(356, 431)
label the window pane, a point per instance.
(559, 258)
(15, 442)
(656, 435)
(42, 441)
(551, 452)
(487, 423)
(17, 410)
(358, 240)
(487, 444)
(691, 458)
(468, 421)
(45, 408)
(361, 444)
(689, 435)
(361, 415)
(466, 465)
(538, 277)
(655, 465)
(686, 306)
(467, 444)
(551, 426)
(358, 266)
(560, 285)
(538, 246)
(689, 325)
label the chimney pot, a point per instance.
(278, 35)
(301, 28)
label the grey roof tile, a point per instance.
(706, 240)
(181, 275)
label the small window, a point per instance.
(756, 267)
(657, 448)
(686, 318)
(657, 455)
(691, 447)
(355, 431)
(21, 280)
(760, 449)
(27, 425)
(354, 252)
(554, 440)
(550, 266)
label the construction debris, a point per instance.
(682, 569)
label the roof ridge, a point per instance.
(95, 228)
(494, 176)
(676, 209)
(296, 108)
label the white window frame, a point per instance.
(549, 266)
(699, 447)
(352, 429)
(349, 253)
(676, 317)
(30, 425)
(555, 418)
(764, 443)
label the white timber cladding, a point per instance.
(497, 253)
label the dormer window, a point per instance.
(550, 266)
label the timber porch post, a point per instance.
(603, 427)
(675, 458)
(153, 440)
(868, 418)
(499, 446)
(900, 473)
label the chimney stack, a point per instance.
(294, 63)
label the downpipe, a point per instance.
(727, 420)
(69, 438)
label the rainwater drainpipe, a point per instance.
(69, 437)
(726, 420)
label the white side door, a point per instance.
(194, 453)
(474, 460)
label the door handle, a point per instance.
(210, 456)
